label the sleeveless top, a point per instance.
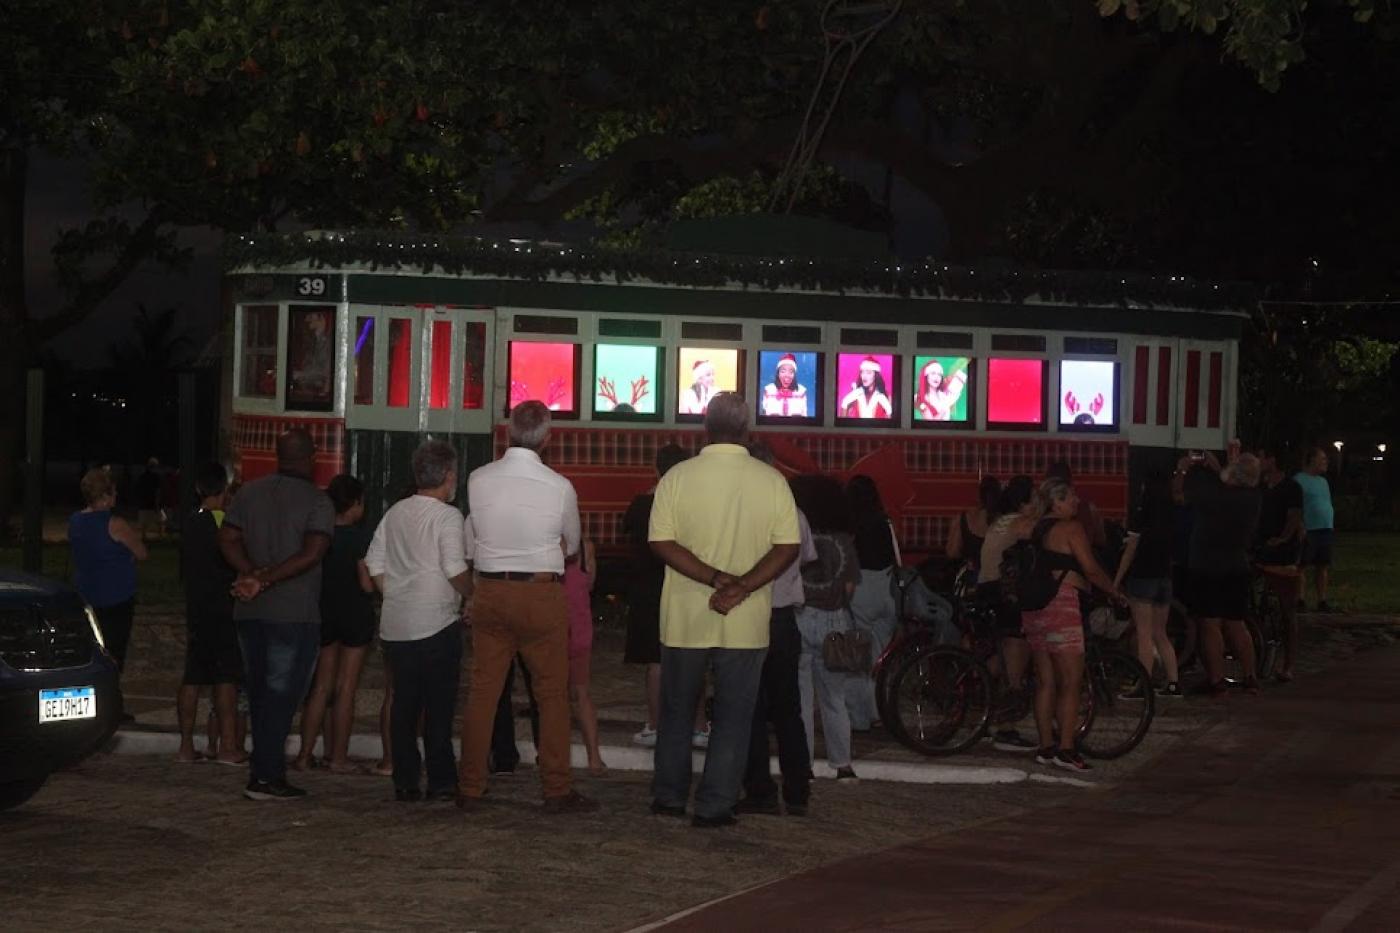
(971, 543)
(1057, 562)
(103, 569)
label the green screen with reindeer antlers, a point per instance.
(625, 376)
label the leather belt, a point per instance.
(520, 576)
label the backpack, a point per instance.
(1027, 582)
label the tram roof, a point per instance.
(397, 267)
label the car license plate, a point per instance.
(67, 703)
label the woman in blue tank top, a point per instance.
(105, 551)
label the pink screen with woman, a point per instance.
(863, 383)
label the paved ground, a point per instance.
(1282, 816)
(140, 843)
(156, 660)
(1272, 813)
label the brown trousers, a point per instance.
(529, 618)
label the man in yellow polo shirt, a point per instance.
(726, 526)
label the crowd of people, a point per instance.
(741, 580)
(1198, 539)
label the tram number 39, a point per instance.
(312, 286)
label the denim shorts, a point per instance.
(1317, 548)
(1154, 590)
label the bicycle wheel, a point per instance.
(941, 701)
(1116, 706)
(884, 675)
(1267, 612)
(1234, 668)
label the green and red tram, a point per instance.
(912, 376)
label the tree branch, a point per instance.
(696, 162)
(144, 241)
(958, 190)
(1150, 110)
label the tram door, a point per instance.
(420, 368)
(1182, 393)
(457, 370)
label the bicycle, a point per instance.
(941, 698)
(914, 633)
(1117, 704)
(1267, 615)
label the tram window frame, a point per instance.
(1114, 427)
(658, 384)
(572, 414)
(893, 389)
(740, 370)
(1008, 345)
(1041, 426)
(969, 393)
(362, 363)
(272, 400)
(816, 394)
(324, 402)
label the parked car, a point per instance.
(59, 696)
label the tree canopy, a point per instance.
(1071, 133)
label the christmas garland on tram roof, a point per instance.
(537, 260)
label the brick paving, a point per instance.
(1283, 816)
(141, 843)
(157, 653)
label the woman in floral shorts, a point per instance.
(1056, 632)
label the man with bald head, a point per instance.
(726, 526)
(274, 536)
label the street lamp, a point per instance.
(1381, 448)
(1339, 445)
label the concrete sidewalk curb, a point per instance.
(634, 758)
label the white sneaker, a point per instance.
(700, 739)
(646, 738)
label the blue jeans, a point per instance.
(832, 687)
(278, 658)
(872, 609)
(427, 672)
(736, 678)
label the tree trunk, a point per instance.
(15, 348)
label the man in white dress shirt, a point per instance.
(520, 511)
(418, 563)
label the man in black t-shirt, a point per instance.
(1278, 547)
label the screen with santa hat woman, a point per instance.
(865, 386)
(790, 385)
(703, 371)
(941, 392)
